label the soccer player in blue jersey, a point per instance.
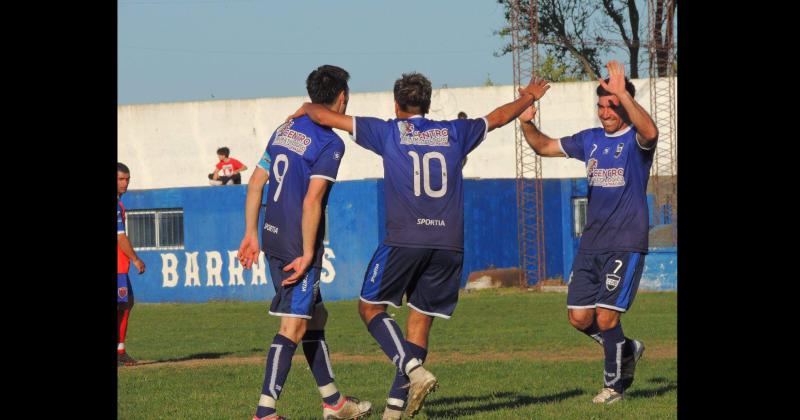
(606, 272)
(304, 159)
(422, 254)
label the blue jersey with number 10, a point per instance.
(422, 161)
(297, 151)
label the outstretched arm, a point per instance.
(646, 130)
(539, 142)
(504, 114)
(324, 116)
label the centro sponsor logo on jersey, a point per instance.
(601, 177)
(292, 140)
(432, 137)
(430, 222)
(271, 228)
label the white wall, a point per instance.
(174, 144)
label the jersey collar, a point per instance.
(619, 133)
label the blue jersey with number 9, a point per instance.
(297, 151)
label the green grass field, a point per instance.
(505, 354)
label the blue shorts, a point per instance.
(124, 290)
(607, 280)
(297, 300)
(429, 278)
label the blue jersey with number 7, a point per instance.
(422, 161)
(297, 151)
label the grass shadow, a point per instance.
(654, 392)
(449, 407)
(196, 356)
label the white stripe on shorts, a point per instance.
(428, 313)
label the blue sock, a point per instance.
(614, 343)
(389, 337)
(318, 358)
(627, 349)
(399, 391)
(594, 332)
(279, 361)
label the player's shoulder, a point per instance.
(593, 133)
(377, 120)
(330, 139)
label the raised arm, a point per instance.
(539, 142)
(646, 130)
(504, 114)
(324, 116)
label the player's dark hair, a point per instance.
(628, 86)
(224, 151)
(325, 83)
(413, 93)
(121, 167)
(462, 115)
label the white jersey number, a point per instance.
(426, 173)
(619, 265)
(279, 175)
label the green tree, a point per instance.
(563, 30)
(575, 34)
(556, 71)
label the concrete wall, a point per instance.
(173, 144)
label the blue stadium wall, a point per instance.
(207, 269)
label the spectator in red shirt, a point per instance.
(228, 170)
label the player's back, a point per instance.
(299, 150)
(422, 161)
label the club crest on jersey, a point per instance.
(612, 281)
(291, 139)
(122, 292)
(619, 150)
(337, 155)
(432, 137)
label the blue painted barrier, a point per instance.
(207, 268)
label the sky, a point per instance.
(190, 50)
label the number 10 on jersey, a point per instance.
(426, 174)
